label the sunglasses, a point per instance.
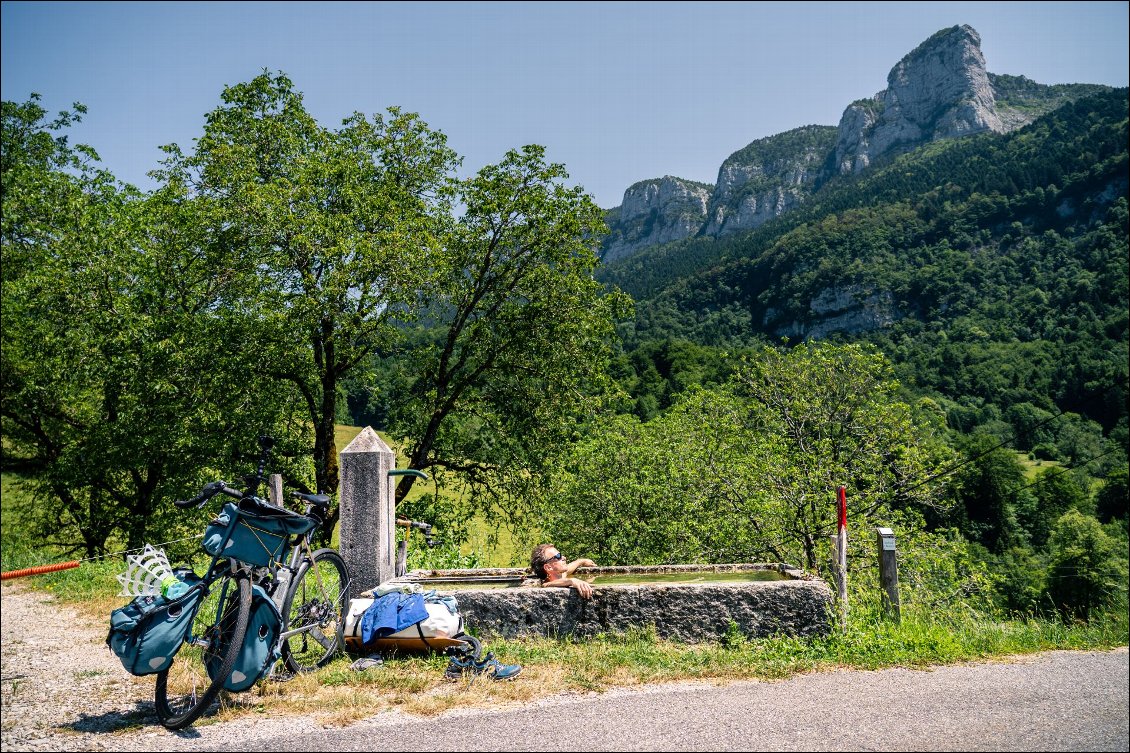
(558, 556)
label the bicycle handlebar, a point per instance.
(266, 443)
(209, 491)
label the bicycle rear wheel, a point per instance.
(186, 689)
(316, 604)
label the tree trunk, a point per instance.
(809, 553)
(325, 455)
(325, 424)
(143, 504)
(325, 445)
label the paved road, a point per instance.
(1063, 701)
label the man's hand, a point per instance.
(584, 590)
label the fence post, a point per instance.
(368, 507)
(889, 573)
(274, 490)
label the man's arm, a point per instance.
(584, 590)
(572, 566)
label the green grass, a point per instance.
(414, 684)
(1033, 468)
(336, 694)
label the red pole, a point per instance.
(841, 554)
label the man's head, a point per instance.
(546, 561)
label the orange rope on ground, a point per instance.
(39, 570)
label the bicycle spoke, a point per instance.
(314, 606)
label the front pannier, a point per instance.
(260, 647)
(147, 633)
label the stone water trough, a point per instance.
(687, 603)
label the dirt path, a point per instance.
(64, 690)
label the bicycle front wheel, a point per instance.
(189, 686)
(316, 605)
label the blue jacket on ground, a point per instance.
(392, 613)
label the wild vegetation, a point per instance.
(1001, 261)
(286, 278)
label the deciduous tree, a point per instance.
(120, 358)
(519, 332)
(334, 231)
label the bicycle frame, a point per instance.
(300, 551)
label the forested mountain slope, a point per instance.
(993, 268)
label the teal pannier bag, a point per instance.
(253, 531)
(259, 651)
(147, 633)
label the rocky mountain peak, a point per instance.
(941, 89)
(767, 178)
(656, 211)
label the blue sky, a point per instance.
(618, 92)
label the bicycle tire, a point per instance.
(318, 599)
(186, 689)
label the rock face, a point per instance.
(940, 90)
(654, 212)
(849, 309)
(767, 178)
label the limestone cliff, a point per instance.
(656, 211)
(767, 178)
(940, 90)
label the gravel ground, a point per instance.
(64, 690)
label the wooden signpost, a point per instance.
(888, 573)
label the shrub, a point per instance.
(1087, 569)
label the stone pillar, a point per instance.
(368, 507)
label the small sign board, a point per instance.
(888, 537)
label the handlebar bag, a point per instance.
(254, 531)
(148, 632)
